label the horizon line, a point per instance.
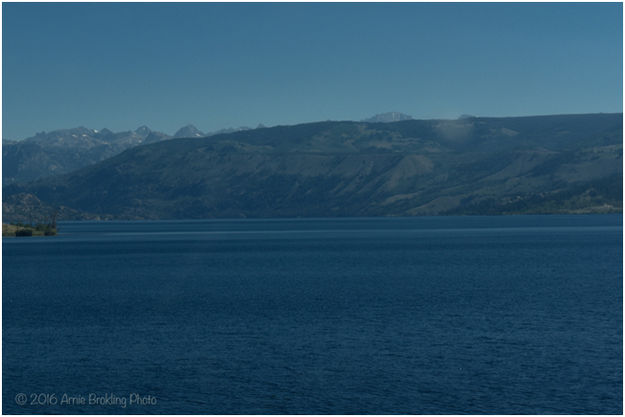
(263, 126)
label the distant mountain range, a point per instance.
(65, 150)
(388, 117)
(473, 165)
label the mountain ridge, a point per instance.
(532, 164)
(388, 117)
(64, 150)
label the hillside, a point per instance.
(542, 164)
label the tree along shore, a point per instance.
(20, 229)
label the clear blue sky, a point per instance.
(224, 65)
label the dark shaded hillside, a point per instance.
(546, 164)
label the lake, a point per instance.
(428, 315)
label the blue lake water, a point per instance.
(431, 315)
